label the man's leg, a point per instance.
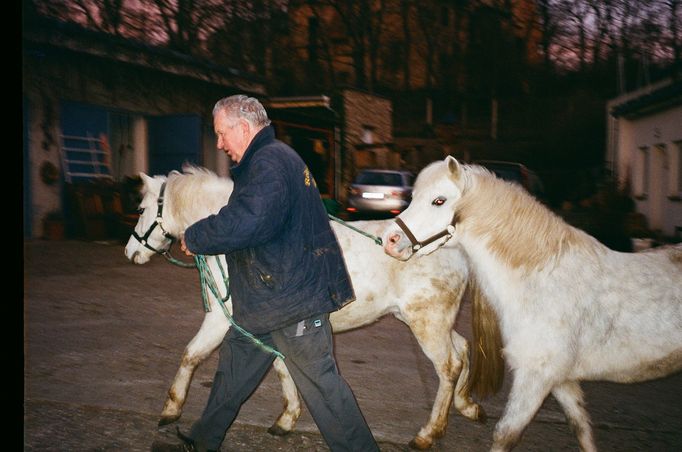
(308, 349)
(241, 367)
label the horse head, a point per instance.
(149, 236)
(171, 204)
(431, 218)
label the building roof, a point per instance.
(648, 100)
(44, 34)
(314, 110)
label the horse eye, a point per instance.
(140, 211)
(439, 201)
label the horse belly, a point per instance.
(641, 370)
(641, 345)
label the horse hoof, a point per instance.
(167, 420)
(276, 430)
(420, 443)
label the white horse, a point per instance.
(424, 294)
(569, 308)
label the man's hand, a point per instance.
(183, 247)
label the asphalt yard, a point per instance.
(103, 339)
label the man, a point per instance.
(287, 274)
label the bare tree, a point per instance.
(363, 22)
(576, 13)
(405, 14)
(105, 15)
(187, 23)
(675, 19)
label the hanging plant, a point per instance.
(49, 173)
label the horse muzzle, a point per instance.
(397, 245)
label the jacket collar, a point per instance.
(263, 137)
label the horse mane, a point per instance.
(195, 193)
(518, 229)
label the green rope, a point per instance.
(178, 262)
(376, 239)
(208, 282)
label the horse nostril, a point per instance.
(394, 238)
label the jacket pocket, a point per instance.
(259, 277)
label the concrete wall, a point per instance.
(647, 154)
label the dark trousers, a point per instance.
(308, 349)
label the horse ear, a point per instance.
(146, 180)
(454, 167)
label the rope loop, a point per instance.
(208, 283)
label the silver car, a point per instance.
(380, 191)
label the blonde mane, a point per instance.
(195, 193)
(516, 227)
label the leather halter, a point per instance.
(416, 244)
(158, 221)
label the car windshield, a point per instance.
(378, 178)
(507, 173)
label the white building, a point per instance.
(644, 151)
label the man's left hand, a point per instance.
(183, 247)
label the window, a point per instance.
(444, 16)
(313, 37)
(641, 173)
(367, 135)
(379, 178)
(675, 172)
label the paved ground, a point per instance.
(103, 338)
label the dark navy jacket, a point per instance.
(284, 261)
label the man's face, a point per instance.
(233, 135)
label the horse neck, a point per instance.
(508, 224)
(190, 200)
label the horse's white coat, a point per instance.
(569, 308)
(425, 294)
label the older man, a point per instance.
(287, 274)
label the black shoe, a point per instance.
(188, 443)
(158, 446)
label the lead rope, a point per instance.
(177, 262)
(208, 282)
(376, 239)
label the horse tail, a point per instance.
(487, 368)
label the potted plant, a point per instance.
(53, 225)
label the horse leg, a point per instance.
(463, 401)
(570, 397)
(434, 336)
(529, 389)
(207, 339)
(292, 403)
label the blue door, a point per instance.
(82, 125)
(173, 140)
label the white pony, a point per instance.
(569, 309)
(382, 285)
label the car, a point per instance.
(379, 192)
(517, 173)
